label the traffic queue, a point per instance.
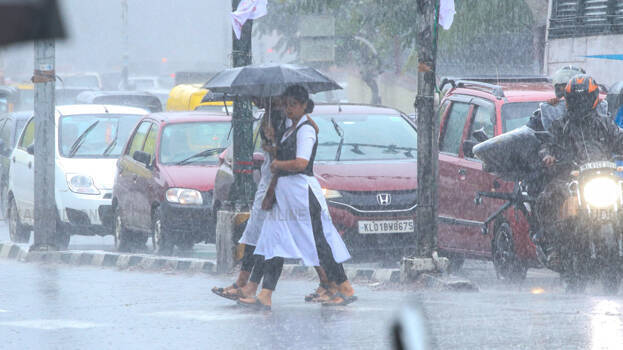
(126, 169)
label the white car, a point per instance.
(89, 140)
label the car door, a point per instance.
(452, 231)
(23, 174)
(127, 174)
(146, 186)
(472, 179)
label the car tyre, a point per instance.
(162, 242)
(121, 234)
(507, 265)
(18, 232)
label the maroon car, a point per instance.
(366, 165)
(164, 184)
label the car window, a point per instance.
(396, 137)
(150, 141)
(4, 104)
(484, 117)
(186, 141)
(20, 123)
(517, 114)
(453, 128)
(28, 137)
(139, 138)
(5, 134)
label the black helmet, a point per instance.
(562, 77)
(582, 95)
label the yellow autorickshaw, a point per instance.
(191, 97)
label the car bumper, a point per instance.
(188, 223)
(347, 222)
(85, 214)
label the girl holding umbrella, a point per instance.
(299, 225)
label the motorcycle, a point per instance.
(586, 241)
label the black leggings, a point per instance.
(335, 272)
(272, 272)
(247, 259)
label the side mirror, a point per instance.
(142, 157)
(258, 160)
(31, 149)
(480, 135)
(468, 147)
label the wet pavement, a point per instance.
(65, 307)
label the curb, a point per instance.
(158, 263)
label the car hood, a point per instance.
(197, 177)
(102, 170)
(379, 176)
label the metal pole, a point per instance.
(125, 44)
(243, 188)
(428, 126)
(45, 208)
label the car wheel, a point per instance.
(507, 265)
(122, 235)
(162, 242)
(17, 231)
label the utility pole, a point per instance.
(45, 207)
(428, 129)
(243, 188)
(125, 44)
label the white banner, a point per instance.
(446, 13)
(247, 9)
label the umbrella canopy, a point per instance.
(23, 20)
(269, 80)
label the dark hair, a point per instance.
(301, 95)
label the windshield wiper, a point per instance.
(80, 140)
(204, 153)
(112, 143)
(340, 133)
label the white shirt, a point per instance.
(305, 139)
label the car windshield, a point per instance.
(105, 140)
(394, 137)
(517, 114)
(181, 141)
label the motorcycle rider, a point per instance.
(581, 135)
(555, 108)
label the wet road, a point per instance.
(65, 307)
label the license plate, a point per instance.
(386, 226)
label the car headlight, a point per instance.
(601, 192)
(82, 184)
(184, 196)
(330, 194)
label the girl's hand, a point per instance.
(274, 166)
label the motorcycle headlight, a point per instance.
(601, 192)
(184, 196)
(82, 184)
(331, 194)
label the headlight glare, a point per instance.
(331, 194)
(184, 196)
(601, 192)
(82, 184)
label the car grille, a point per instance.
(369, 201)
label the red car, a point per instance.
(165, 180)
(467, 107)
(366, 165)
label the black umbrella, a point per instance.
(269, 80)
(23, 20)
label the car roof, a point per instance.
(512, 91)
(190, 116)
(352, 108)
(98, 109)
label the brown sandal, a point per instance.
(227, 294)
(320, 291)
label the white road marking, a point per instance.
(51, 324)
(205, 315)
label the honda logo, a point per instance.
(384, 198)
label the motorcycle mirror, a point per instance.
(480, 135)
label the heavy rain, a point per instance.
(311, 174)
